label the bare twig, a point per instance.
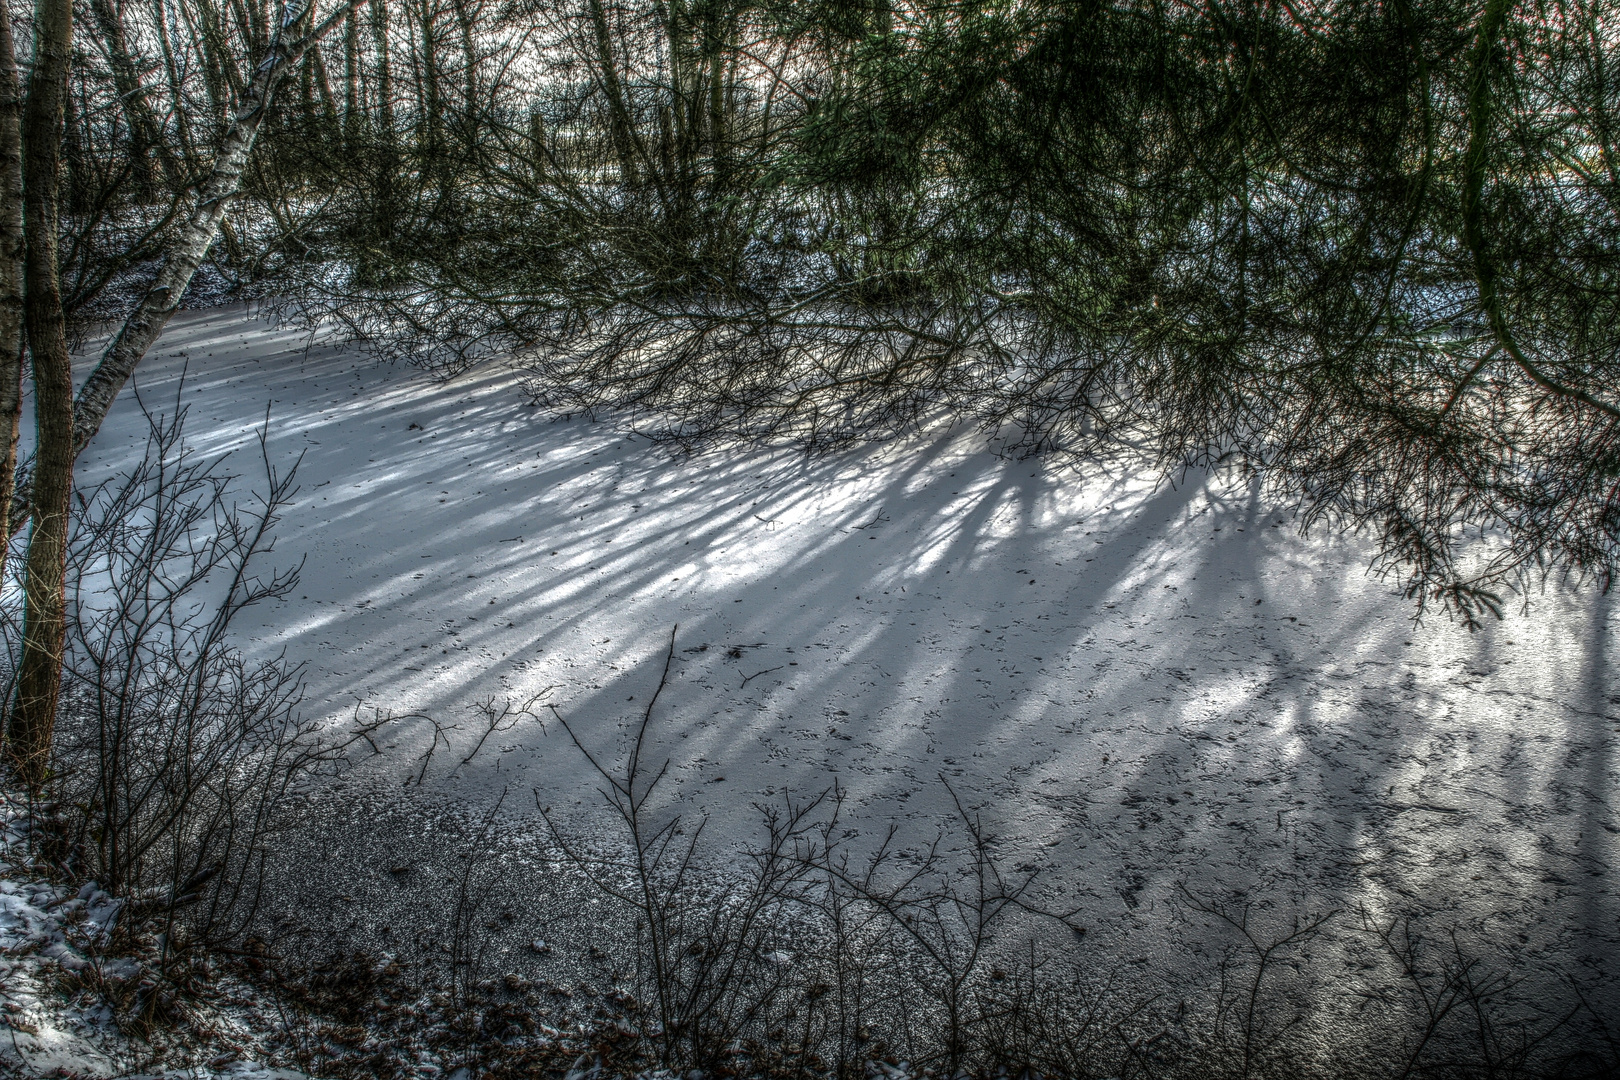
(505, 717)
(757, 674)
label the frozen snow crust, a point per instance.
(57, 984)
(1143, 686)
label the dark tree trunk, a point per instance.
(382, 218)
(39, 675)
(618, 108)
(11, 273)
(177, 94)
(146, 148)
(219, 76)
(351, 81)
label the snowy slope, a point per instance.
(1143, 685)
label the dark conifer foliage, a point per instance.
(1369, 250)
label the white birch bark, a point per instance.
(145, 324)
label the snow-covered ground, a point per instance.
(50, 933)
(1143, 685)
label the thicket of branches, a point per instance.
(1369, 249)
(1366, 249)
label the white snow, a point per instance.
(1143, 685)
(46, 930)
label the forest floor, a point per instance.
(1148, 689)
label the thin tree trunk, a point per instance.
(387, 151)
(219, 76)
(716, 48)
(618, 110)
(191, 243)
(258, 12)
(674, 119)
(385, 74)
(428, 89)
(465, 19)
(244, 25)
(351, 80)
(306, 91)
(145, 140)
(320, 110)
(78, 179)
(39, 674)
(686, 64)
(11, 273)
(177, 95)
(323, 90)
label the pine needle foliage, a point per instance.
(1368, 250)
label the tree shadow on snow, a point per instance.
(1144, 685)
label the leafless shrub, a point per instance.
(1459, 1013)
(441, 733)
(468, 941)
(797, 955)
(503, 714)
(176, 753)
(1041, 1017)
(710, 959)
(941, 917)
(1249, 1021)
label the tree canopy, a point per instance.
(1367, 250)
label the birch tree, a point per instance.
(65, 424)
(161, 300)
